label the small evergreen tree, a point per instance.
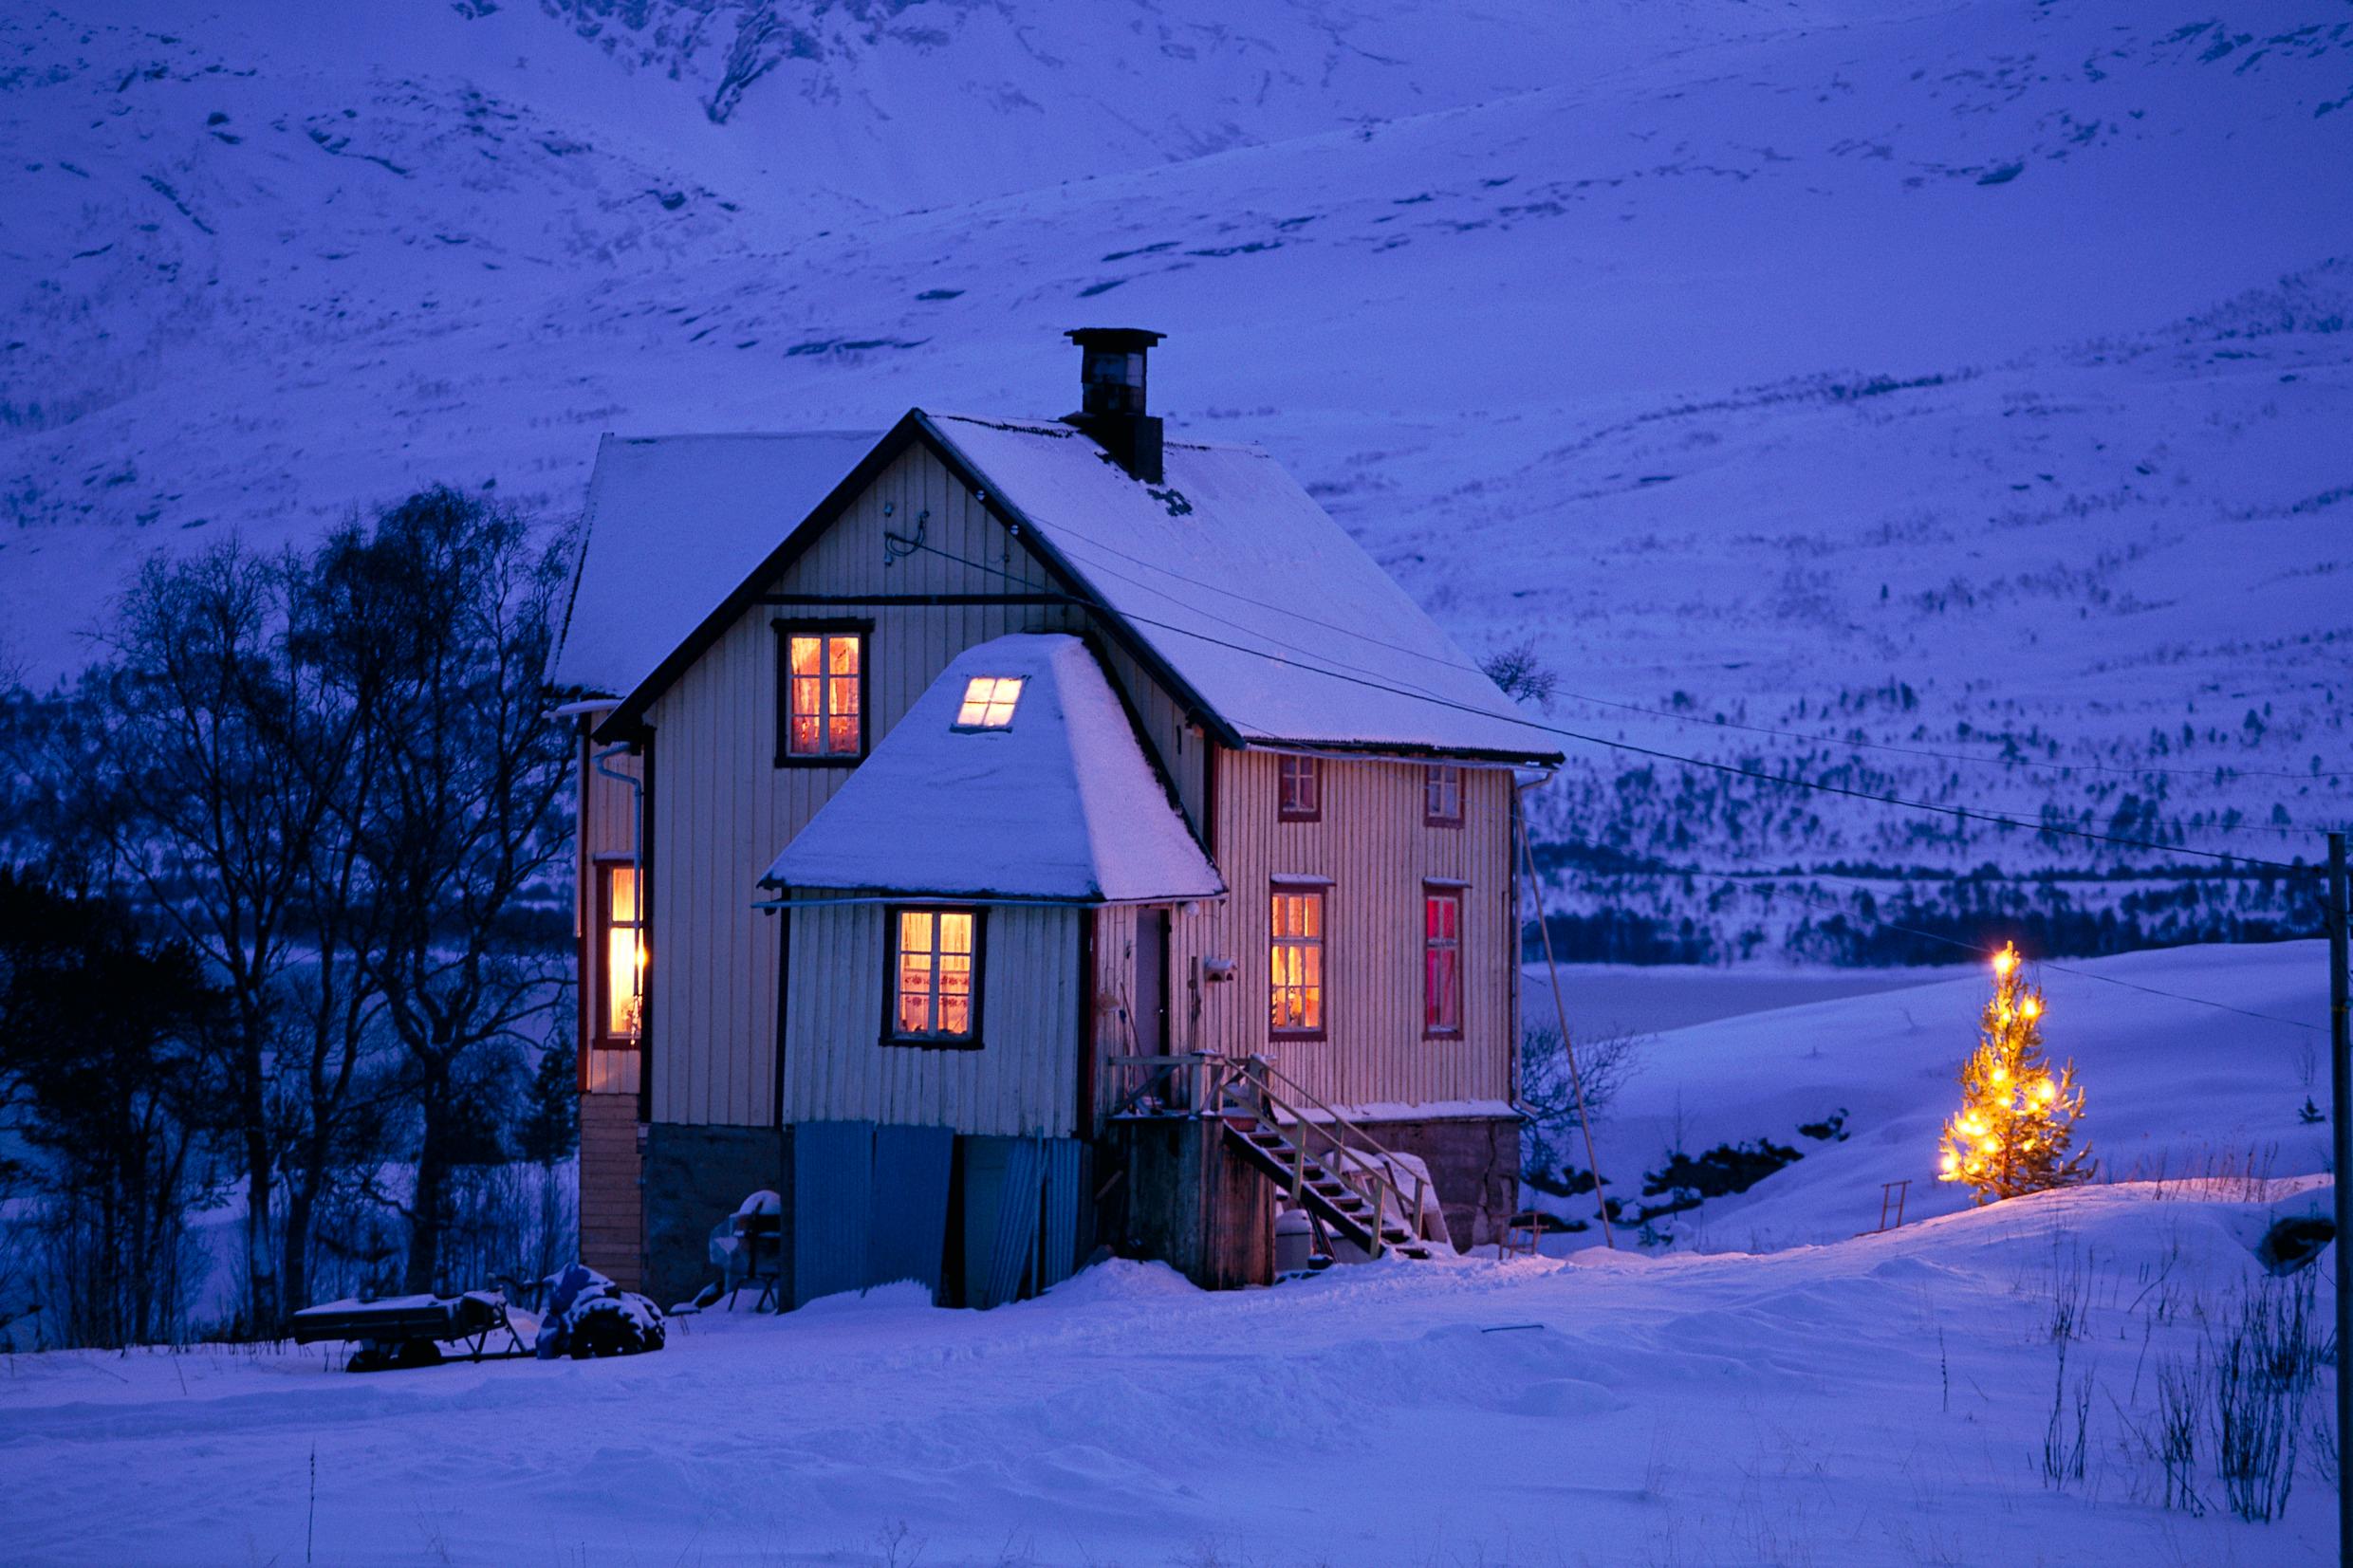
(551, 1130)
(2015, 1130)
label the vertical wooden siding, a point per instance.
(1374, 849)
(1022, 1080)
(725, 810)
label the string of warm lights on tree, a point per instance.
(2014, 1133)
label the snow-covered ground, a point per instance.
(1880, 1399)
(2172, 1087)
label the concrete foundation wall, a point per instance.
(1475, 1165)
(694, 1177)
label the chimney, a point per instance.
(1111, 408)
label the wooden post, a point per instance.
(2341, 1142)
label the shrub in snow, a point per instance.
(1686, 1181)
(588, 1314)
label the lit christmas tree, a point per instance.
(2016, 1129)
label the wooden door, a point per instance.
(1149, 987)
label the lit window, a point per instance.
(623, 977)
(824, 694)
(1300, 789)
(1441, 963)
(936, 976)
(1441, 795)
(988, 701)
(1297, 950)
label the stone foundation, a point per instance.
(1475, 1165)
(694, 1177)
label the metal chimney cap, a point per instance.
(1115, 340)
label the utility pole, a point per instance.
(2341, 1161)
(1568, 1047)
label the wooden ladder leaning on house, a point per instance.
(1347, 1180)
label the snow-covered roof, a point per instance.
(673, 524)
(1279, 622)
(1060, 803)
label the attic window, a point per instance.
(988, 701)
(820, 692)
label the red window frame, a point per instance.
(1298, 946)
(841, 697)
(1441, 962)
(1442, 795)
(1299, 789)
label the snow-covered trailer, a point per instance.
(756, 619)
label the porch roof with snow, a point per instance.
(673, 523)
(1251, 606)
(1059, 805)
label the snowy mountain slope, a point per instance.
(1669, 337)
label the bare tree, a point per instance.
(190, 763)
(1520, 674)
(1549, 1096)
(466, 818)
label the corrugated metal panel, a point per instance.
(1058, 1238)
(907, 1235)
(1001, 1191)
(832, 1206)
(1023, 1077)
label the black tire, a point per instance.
(417, 1353)
(606, 1328)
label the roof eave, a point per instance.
(1417, 750)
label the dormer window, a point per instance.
(988, 701)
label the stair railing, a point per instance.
(1188, 1083)
(1200, 1083)
(1364, 1164)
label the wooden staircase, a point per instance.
(1359, 1217)
(1319, 1160)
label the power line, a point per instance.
(1335, 663)
(1331, 665)
(1959, 813)
(2007, 764)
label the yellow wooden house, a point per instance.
(1006, 838)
